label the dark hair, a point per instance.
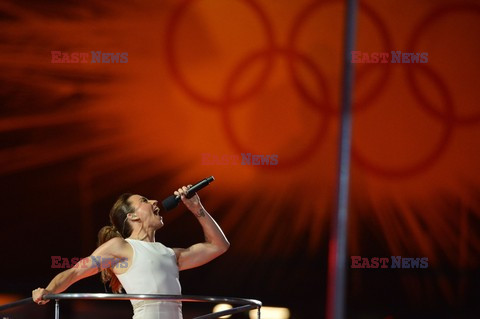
(119, 228)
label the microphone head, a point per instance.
(170, 202)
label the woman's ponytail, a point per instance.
(119, 228)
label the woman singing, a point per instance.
(129, 257)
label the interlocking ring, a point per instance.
(321, 129)
(361, 103)
(412, 43)
(432, 156)
(172, 28)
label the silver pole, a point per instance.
(337, 258)
(57, 309)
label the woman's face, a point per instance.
(146, 211)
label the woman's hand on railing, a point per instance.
(37, 295)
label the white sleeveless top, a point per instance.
(153, 270)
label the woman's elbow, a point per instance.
(225, 246)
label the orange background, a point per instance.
(258, 76)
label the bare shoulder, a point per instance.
(117, 241)
(116, 246)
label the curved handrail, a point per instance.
(17, 303)
(244, 304)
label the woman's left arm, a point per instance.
(215, 242)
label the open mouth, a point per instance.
(156, 211)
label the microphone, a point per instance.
(172, 201)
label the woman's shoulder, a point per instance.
(116, 244)
(114, 248)
(117, 239)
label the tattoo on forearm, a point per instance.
(201, 213)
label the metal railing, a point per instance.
(242, 304)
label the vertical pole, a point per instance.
(57, 309)
(337, 258)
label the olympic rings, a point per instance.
(225, 101)
(323, 105)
